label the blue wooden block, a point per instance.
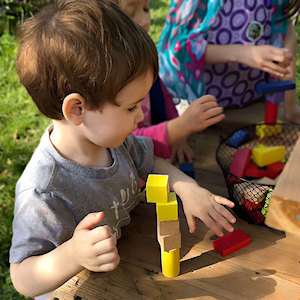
(274, 87)
(188, 169)
(239, 138)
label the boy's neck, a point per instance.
(69, 143)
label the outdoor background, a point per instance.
(21, 124)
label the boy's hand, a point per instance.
(199, 202)
(202, 113)
(95, 248)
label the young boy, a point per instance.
(87, 66)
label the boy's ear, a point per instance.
(73, 107)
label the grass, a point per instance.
(21, 126)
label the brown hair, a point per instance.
(122, 4)
(88, 47)
(290, 9)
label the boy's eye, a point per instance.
(133, 108)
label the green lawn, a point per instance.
(21, 126)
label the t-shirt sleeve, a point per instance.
(141, 151)
(41, 223)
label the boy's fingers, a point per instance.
(223, 201)
(211, 224)
(89, 221)
(105, 246)
(191, 223)
(113, 262)
(222, 218)
(226, 214)
(100, 233)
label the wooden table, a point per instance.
(269, 268)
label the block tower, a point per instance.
(274, 92)
(168, 232)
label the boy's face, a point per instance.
(139, 12)
(113, 124)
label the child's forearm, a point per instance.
(218, 54)
(178, 180)
(38, 275)
(290, 44)
(197, 202)
(291, 107)
(177, 130)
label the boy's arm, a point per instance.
(197, 202)
(38, 275)
(90, 248)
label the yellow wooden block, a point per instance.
(157, 188)
(268, 155)
(170, 262)
(260, 146)
(266, 130)
(167, 211)
(169, 242)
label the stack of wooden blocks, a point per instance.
(168, 232)
(275, 92)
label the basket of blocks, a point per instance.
(252, 159)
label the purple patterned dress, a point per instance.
(190, 25)
(245, 22)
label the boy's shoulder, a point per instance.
(39, 170)
(138, 142)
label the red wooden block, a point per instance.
(271, 112)
(276, 167)
(231, 242)
(232, 180)
(250, 205)
(240, 162)
(256, 173)
(252, 165)
(254, 210)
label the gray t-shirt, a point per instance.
(54, 194)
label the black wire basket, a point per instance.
(251, 198)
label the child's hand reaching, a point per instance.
(95, 248)
(182, 151)
(267, 58)
(202, 113)
(199, 202)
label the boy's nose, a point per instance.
(140, 116)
